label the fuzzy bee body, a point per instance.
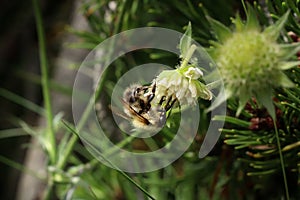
(137, 106)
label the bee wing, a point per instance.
(116, 111)
(138, 116)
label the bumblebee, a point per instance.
(137, 105)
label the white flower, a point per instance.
(181, 84)
(193, 73)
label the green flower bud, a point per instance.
(251, 61)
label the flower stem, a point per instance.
(51, 146)
(188, 56)
(281, 161)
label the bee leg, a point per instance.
(168, 107)
(162, 118)
(152, 95)
(170, 103)
(162, 100)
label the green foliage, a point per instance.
(247, 161)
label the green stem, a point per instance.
(50, 143)
(281, 161)
(189, 54)
(51, 146)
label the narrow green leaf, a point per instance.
(261, 173)
(281, 159)
(274, 30)
(240, 142)
(134, 8)
(242, 146)
(15, 132)
(289, 65)
(68, 146)
(293, 97)
(22, 101)
(264, 97)
(239, 25)
(290, 50)
(214, 44)
(232, 120)
(252, 22)
(186, 41)
(237, 132)
(33, 131)
(284, 81)
(291, 105)
(63, 144)
(291, 146)
(57, 121)
(44, 66)
(221, 31)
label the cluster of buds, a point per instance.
(261, 120)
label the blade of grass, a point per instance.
(14, 132)
(22, 101)
(281, 161)
(232, 120)
(51, 142)
(45, 81)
